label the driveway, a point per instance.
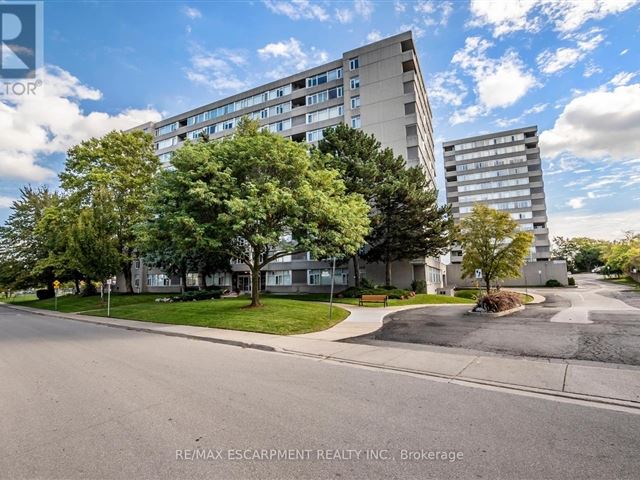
(597, 321)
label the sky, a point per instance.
(570, 67)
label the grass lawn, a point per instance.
(419, 299)
(28, 297)
(628, 281)
(471, 294)
(279, 315)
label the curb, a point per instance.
(496, 314)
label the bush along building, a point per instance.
(504, 171)
(377, 88)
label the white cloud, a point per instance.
(537, 108)
(622, 78)
(624, 52)
(374, 36)
(364, 8)
(591, 69)
(607, 225)
(577, 202)
(602, 123)
(219, 71)
(6, 202)
(399, 7)
(550, 62)
(291, 57)
(344, 15)
(433, 14)
(51, 121)
(298, 9)
(192, 12)
(447, 88)
(498, 82)
(418, 31)
(506, 16)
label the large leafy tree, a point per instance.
(258, 197)
(407, 222)
(622, 256)
(23, 244)
(581, 253)
(170, 240)
(492, 242)
(355, 155)
(120, 167)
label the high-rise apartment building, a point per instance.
(502, 170)
(377, 87)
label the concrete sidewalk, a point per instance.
(609, 384)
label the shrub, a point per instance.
(44, 294)
(387, 287)
(498, 302)
(88, 289)
(553, 283)
(572, 281)
(419, 286)
(197, 295)
(364, 283)
(355, 292)
(469, 294)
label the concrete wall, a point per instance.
(533, 274)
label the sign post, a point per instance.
(110, 281)
(56, 287)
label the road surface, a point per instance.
(598, 321)
(86, 401)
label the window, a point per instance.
(434, 275)
(264, 113)
(412, 130)
(167, 129)
(221, 279)
(324, 96)
(491, 163)
(355, 102)
(315, 135)
(280, 126)
(277, 278)
(323, 276)
(354, 63)
(490, 141)
(355, 122)
(491, 152)
(158, 280)
(408, 87)
(324, 77)
(136, 281)
(286, 258)
(165, 157)
(494, 184)
(412, 153)
(481, 197)
(136, 264)
(409, 108)
(192, 280)
(169, 142)
(354, 83)
(522, 215)
(227, 125)
(320, 115)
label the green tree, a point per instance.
(120, 169)
(258, 197)
(622, 256)
(406, 221)
(93, 247)
(492, 242)
(355, 154)
(170, 240)
(23, 244)
(581, 253)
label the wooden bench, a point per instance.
(374, 299)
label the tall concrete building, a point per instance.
(502, 170)
(378, 88)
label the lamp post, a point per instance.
(333, 276)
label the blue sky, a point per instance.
(571, 67)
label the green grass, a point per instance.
(628, 281)
(279, 315)
(419, 299)
(472, 294)
(28, 297)
(74, 303)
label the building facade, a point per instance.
(504, 171)
(378, 88)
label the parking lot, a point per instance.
(556, 328)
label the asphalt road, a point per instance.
(545, 330)
(87, 401)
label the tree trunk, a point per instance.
(487, 283)
(126, 271)
(76, 281)
(387, 272)
(255, 281)
(356, 269)
(183, 280)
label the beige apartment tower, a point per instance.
(378, 88)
